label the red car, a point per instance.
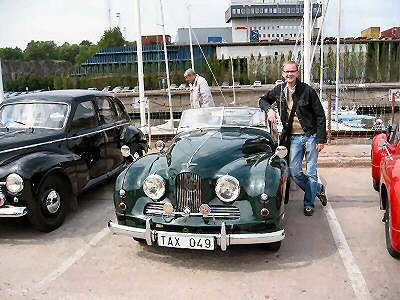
(386, 179)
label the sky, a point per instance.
(75, 20)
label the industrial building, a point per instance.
(392, 33)
(267, 20)
(371, 33)
(204, 35)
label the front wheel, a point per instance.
(48, 212)
(388, 229)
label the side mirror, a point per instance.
(384, 144)
(281, 152)
(125, 151)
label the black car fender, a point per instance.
(132, 135)
(36, 166)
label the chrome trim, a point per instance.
(222, 239)
(219, 212)
(188, 191)
(62, 140)
(12, 211)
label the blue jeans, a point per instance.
(303, 145)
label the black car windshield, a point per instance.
(221, 116)
(33, 115)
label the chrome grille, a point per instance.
(217, 212)
(188, 191)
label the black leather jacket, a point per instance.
(309, 109)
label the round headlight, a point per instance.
(227, 188)
(14, 183)
(154, 187)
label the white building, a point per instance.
(267, 20)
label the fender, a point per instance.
(131, 135)
(377, 154)
(394, 198)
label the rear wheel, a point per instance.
(388, 229)
(273, 247)
(48, 212)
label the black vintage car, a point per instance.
(54, 145)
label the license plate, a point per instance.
(187, 242)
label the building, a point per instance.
(204, 35)
(155, 39)
(392, 33)
(267, 20)
(371, 33)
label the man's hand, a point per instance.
(320, 147)
(271, 115)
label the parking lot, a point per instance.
(339, 253)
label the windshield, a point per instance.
(221, 116)
(33, 115)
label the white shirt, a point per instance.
(200, 93)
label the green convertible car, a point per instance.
(221, 182)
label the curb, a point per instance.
(344, 162)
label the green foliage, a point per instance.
(36, 50)
(111, 38)
(11, 53)
(32, 82)
(68, 52)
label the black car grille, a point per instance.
(188, 191)
(217, 212)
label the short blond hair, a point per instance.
(290, 62)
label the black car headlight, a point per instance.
(14, 183)
(154, 187)
(227, 188)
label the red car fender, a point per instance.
(394, 198)
(377, 154)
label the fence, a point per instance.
(356, 120)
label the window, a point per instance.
(243, 11)
(274, 10)
(273, 35)
(277, 26)
(269, 35)
(252, 11)
(264, 35)
(259, 28)
(122, 115)
(297, 10)
(284, 10)
(106, 111)
(279, 10)
(85, 116)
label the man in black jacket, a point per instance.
(304, 130)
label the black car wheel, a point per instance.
(388, 228)
(273, 247)
(48, 212)
(375, 184)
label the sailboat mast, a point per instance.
(171, 114)
(142, 106)
(190, 37)
(1, 85)
(307, 42)
(233, 83)
(338, 62)
(321, 74)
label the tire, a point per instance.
(375, 184)
(389, 245)
(287, 190)
(273, 247)
(48, 211)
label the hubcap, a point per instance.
(53, 201)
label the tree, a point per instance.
(111, 38)
(11, 53)
(68, 52)
(40, 50)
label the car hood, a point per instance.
(15, 142)
(208, 152)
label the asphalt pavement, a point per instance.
(339, 253)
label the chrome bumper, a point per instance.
(223, 239)
(12, 211)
